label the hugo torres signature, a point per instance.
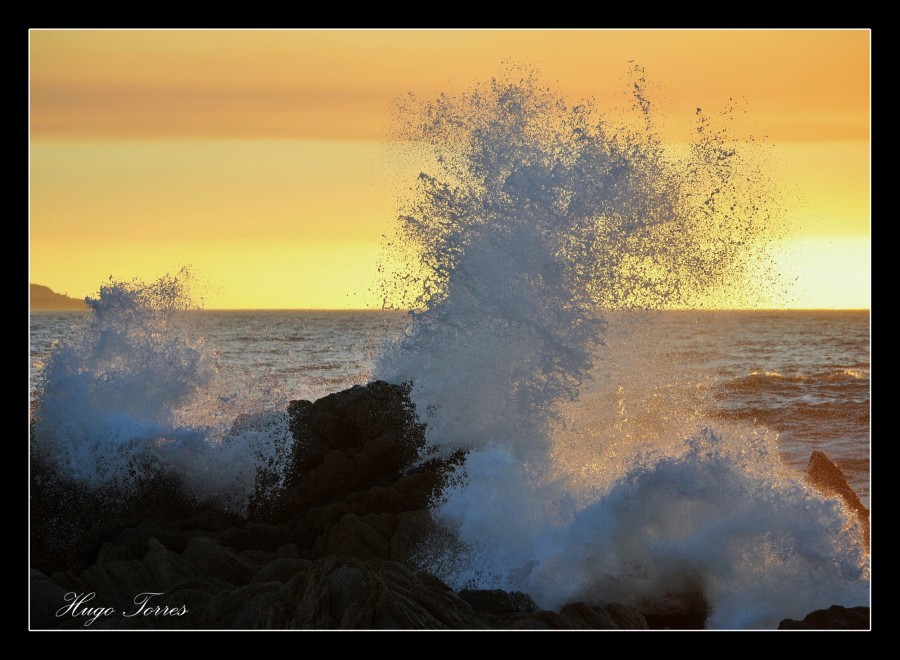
(77, 607)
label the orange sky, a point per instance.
(259, 157)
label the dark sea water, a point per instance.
(801, 374)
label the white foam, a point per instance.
(541, 213)
(116, 397)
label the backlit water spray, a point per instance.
(538, 218)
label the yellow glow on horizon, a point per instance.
(233, 274)
(258, 158)
(831, 272)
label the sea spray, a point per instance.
(539, 217)
(118, 405)
(542, 214)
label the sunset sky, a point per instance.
(261, 159)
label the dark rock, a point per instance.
(349, 420)
(626, 618)
(137, 539)
(825, 476)
(238, 609)
(47, 597)
(676, 611)
(497, 603)
(583, 616)
(166, 568)
(364, 537)
(44, 298)
(281, 569)
(834, 618)
(541, 620)
(255, 536)
(116, 582)
(332, 550)
(288, 550)
(354, 471)
(257, 558)
(309, 446)
(209, 559)
(348, 593)
(355, 489)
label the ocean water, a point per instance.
(803, 375)
(611, 456)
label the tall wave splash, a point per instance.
(541, 216)
(132, 395)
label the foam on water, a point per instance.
(541, 214)
(119, 403)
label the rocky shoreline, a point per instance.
(335, 549)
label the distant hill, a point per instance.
(44, 298)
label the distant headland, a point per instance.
(44, 298)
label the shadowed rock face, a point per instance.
(331, 592)
(834, 618)
(827, 478)
(332, 550)
(352, 490)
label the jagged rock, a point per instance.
(255, 536)
(583, 616)
(289, 550)
(626, 618)
(541, 620)
(348, 593)
(825, 476)
(116, 582)
(498, 603)
(209, 559)
(46, 599)
(613, 616)
(676, 611)
(355, 489)
(330, 551)
(258, 559)
(282, 569)
(137, 539)
(348, 421)
(834, 618)
(166, 568)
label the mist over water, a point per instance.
(131, 393)
(540, 215)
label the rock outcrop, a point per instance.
(43, 298)
(823, 475)
(333, 549)
(834, 618)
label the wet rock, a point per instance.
(626, 618)
(497, 603)
(834, 618)
(282, 569)
(333, 550)
(583, 616)
(824, 475)
(46, 599)
(166, 568)
(348, 593)
(209, 559)
(676, 611)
